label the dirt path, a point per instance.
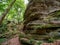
(13, 41)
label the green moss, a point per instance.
(50, 40)
(38, 43)
(2, 40)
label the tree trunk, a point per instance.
(6, 11)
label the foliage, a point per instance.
(50, 40)
(15, 14)
(2, 40)
(3, 28)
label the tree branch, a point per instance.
(6, 11)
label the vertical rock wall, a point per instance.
(42, 17)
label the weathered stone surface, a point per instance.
(41, 18)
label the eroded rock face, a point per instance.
(42, 17)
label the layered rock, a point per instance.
(41, 18)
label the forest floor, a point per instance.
(12, 36)
(13, 41)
